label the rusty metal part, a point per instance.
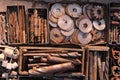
(52, 69)
(56, 36)
(57, 10)
(99, 25)
(115, 78)
(95, 66)
(52, 18)
(65, 23)
(72, 74)
(116, 71)
(67, 33)
(88, 10)
(96, 34)
(85, 25)
(74, 10)
(115, 54)
(56, 59)
(62, 60)
(84, 38)
(97, 12)
(74, 38)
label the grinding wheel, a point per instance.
(56, 36)
(65, 23)
(74, 10)
(57, 10)
(99, 25)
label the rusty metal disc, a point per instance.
(74, 10)
(88, 10)
(52, 18)
(57, 10)
(67, 33)
(52, 24)
(116, 71)
(99, 25)
(74, 37)
(84, 38)
(65, 23)
(56, 36)
(85, 25)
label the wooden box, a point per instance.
(37, 57)
(114, 23)
(37, 32)
(78, 23)
(16, 24)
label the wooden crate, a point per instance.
(17, 24)
(37, 31)
(97, 63)
(73, 39)
(59, 51)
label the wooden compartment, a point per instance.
(37, 31)
(67, 25)
(17, 24)
(97, 63)
(56, 59)
(114, 23)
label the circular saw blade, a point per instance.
(99, 25)
(84, 38)
(85, 25)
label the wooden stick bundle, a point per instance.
(16, 20)
(39, 24)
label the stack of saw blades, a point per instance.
(76, 23)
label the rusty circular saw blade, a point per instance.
(65, 23)
(56, 36)
(57, 10)
(85, 25)
(67, 33)
(74, 10)
(84, 38)
(99, 25)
